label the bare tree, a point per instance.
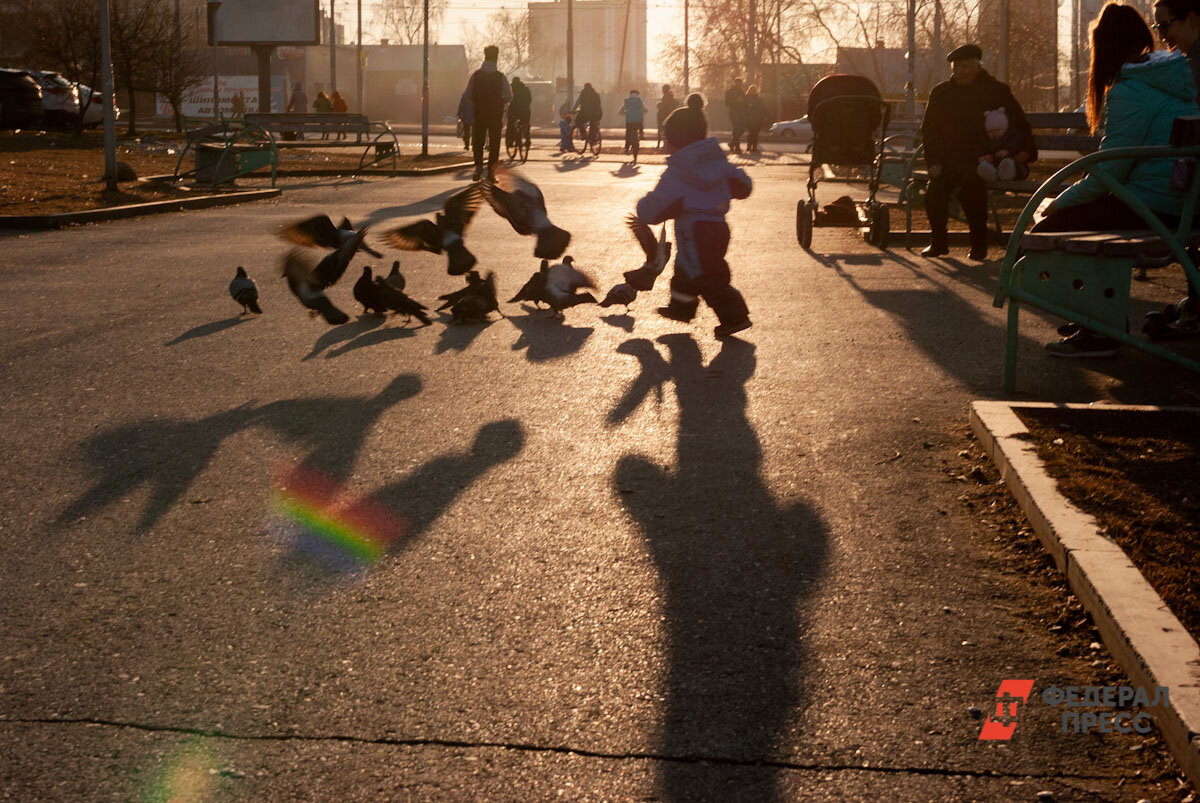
(404, 20)
(509, 30)
(180, 68)
(141, 32)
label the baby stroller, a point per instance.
(849, 122)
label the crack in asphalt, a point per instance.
(536, 748)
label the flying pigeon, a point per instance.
(395, 279)
(658, 253)
(306, 287)
(445, 233)
(521, 203)
(620, 294)
(320, 231)
(473, 302)
(367, 294)
(393, 299)
(245, 292)
(535, 289)
(331, 268)
(561, 283)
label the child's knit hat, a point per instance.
(995, 122)
(687, 124)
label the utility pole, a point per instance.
(778, 60)
(687, 89)
(106, 102)
(570, 54)
(332, 52)
(752, 30)
(213, 5)
(425, 88)
(910, 90)
(358, 70)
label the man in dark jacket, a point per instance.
(489, 93)
(953, 132)
(735, 102)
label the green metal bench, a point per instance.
(1084, 276)
(376, 138)
(225, 150)
(914, 180)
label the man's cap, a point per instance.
(964, 52)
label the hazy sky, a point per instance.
(661, 17)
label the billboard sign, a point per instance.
(197, 101)
(263, 22)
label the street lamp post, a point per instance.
(107, 102)
(570, 53)
(425, 88)
(910, 89)
(686, 85)
(332, 52)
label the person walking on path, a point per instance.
(298, 105)
(667, 104)
(489, 92)
(634, 112)
(339, 107)
(323, 105)
(735, 102)
(695, 190)
(239, 105)
(466, 117)
(756, 115)
(953, 131)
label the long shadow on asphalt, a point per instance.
(736, 570)
(168, 455)
(206, 329)
(968, 345)
(426, 206)
(377, 337)
(458, 336)
(341, 334)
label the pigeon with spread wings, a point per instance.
(319, 231)
(307, 288)
(444, 233)
(658, 254)
(522, 204)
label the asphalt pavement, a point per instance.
(621, 560)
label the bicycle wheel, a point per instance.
(510, 144)
(579, 140)
(594, 142)
(523, 144)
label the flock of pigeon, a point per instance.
(514, 198)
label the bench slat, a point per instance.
(1103, 243)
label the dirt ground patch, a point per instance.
(45, 173)
(1135, 473)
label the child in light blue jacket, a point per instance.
(695, 190)
(634, 112)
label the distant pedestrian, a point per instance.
(735, 103)
(634, 111)
(490, 93)
(323, 105)
(466, 118)
(521, 109)
(756, 115)
(339, 107)
(565, 124)
(298, 105)
(667, 104)
(239, 105)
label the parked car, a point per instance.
(60, 99)
(794, 130)
(93, 112)
(20, 99)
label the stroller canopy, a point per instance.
(845, 110)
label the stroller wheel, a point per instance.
(880, 227)
(804, 224)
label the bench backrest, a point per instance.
(1071, 132)
(311, 122)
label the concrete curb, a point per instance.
(65, 219)
(1150, 643)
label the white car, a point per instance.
(59, 98)
(794, 130)
(93, 113)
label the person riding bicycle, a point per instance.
(520, 110)
(587, 108)
(634, 112)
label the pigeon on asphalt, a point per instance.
(367, 294)
(561, 283)
(245, 292)
(535, 289)
(620, 294)
(320, 231)
(658, 253)
(521, 203)
(395, 279)
(445, 233)
(395, 300)
(306, 287)
(331, 268)
(473, 302)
